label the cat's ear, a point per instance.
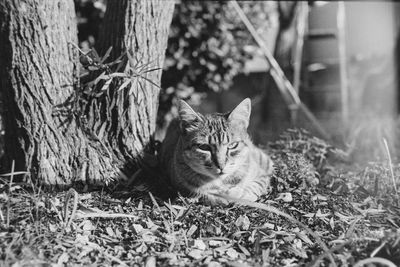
(188, 117)
(241, 114)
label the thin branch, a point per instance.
(9, 194)
(289, 94)
(68, 220)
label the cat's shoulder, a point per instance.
(261, 156)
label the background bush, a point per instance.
(208, 45)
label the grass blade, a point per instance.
(390, 164)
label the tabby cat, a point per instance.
(213, 154)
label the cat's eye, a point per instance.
(233, 145)
(204, 147)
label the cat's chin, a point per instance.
(216, 176)
(222, 175)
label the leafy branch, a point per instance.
(98, 75)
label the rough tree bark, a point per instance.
(38, 72)
(131, 120)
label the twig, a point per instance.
(9, 194)
(276, 70)
(378, 249)
(390, 164)
(1, 216)
(285, 215)
(67, 221)
(375, 260)
(13, 173)
(76, 47)
(159, 209)
(106, 215)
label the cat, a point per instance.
(212, 154)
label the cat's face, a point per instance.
(215, 145)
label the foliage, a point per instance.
(97, 75)
(301, 141)
(375, 180)
(293, 170)
(125, 71)
(208, 45)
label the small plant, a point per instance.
(293, 171)
(301, 141)
(126, 71)
(97, 76)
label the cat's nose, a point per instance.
(220, 166)
(219, 161)
(220, 171)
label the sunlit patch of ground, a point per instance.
(354, 211)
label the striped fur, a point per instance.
(207, 154)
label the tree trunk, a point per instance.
(38, 74)
(144, 36)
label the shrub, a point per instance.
(208, 45)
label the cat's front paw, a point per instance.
(240, 193)
(212, 200)
(250, 197)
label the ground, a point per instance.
(322, 211)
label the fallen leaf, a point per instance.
(304, 237)
(232, 253)
(332, 223)
(244, 250)
(191, 230)
(142, 248)
(150, 262)
(319, 214)
(63, 259)
(87, 225)
(52, 227)
(285, 197)
(319, 197)
(199, 244)
(110, 231)
(243, 222)
(268, 225)
(196, 254)
(137, 227)
(214, 264)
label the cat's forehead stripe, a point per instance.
(217, 128)
(219, 138)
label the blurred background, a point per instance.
(340, 58)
